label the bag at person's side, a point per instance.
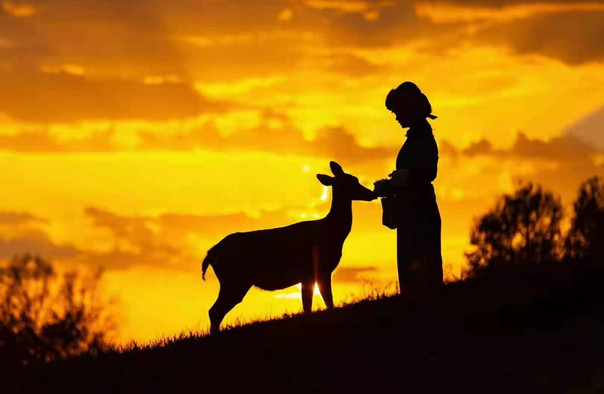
(390, 212)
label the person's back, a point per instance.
(419, 155)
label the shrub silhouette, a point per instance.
(523, 227)
(584, 239)
(45, 316)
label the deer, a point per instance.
(302, 253)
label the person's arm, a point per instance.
(422, 167)
(383, 188)
(399, 179)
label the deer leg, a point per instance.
(307, 292)
(325, 289)
(228, 297)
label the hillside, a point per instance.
(528, 329)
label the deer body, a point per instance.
(306, 252)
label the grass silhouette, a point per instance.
(527, 328)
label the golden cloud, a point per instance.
(560, 149)
(353, 6)
(18, 10)
(369, 9)
(589, 128)
(18, 218)
(60, 96)
(36, 242)
(275, 134)
(454, 13)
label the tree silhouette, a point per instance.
(45, 316)
(586, 235)
(523, 227)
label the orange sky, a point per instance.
(136, 134)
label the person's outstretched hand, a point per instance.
(399, 178)
(381, 188)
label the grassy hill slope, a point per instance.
(526, 329)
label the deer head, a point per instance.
(345, 185)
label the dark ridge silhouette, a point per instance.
(305, 252)
(522, 322)
(532, 328)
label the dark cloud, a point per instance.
(397, 25)
(569, 31)
(225, 40)
(161, 240)
(565, 178)
(18, 218)
(134, 39)
(502, 3)
(482, 147)
(218, 17)
(62, 97)
(573, 163)
(572, 37)
(589, 129)
(22, 233)
(125, 35)
(39, 139)
(17, 9)
(352, 65)
(563, 148)
(36, 242)
(559, 164)
(244, 55)
(151, 230)
(447, 149)
(333, 142)
(121, 259)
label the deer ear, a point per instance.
(325, 179)
(336, 168)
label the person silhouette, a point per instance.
(417, 217)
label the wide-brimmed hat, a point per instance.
(409, 97)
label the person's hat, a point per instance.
(407, 95)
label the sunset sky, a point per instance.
(135, 134)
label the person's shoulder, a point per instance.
(427, 138)
(428, 142)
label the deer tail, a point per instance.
(204, 266)
(206, 263)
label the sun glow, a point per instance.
(297, 295)
(325, 194)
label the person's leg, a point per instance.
(406, 252)
(437, 258)
(432, 270)
(401, 257)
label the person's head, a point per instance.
(409, 104)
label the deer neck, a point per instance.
(339, 217)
